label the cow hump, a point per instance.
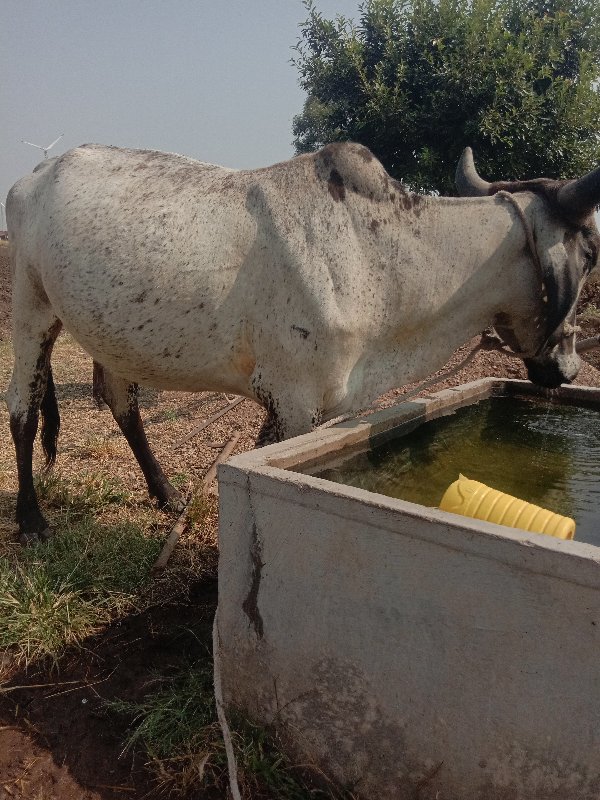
(347, 167)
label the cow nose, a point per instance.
(550, 373)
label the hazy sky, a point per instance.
(210, 79)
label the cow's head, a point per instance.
(566, 244)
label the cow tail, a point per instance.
(50, 421)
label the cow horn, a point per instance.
(579, 197)
(468, 182)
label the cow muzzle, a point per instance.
(553, 369)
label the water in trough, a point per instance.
(545, 452)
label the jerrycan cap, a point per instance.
(458, 494)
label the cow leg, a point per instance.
(286, 416)
(121, 398)
(31, 387)
(269, 432)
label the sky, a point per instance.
(210, 79)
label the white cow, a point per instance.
(311, 286)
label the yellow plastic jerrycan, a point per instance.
(474, 499)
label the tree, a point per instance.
(418, 80)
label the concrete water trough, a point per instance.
(403, 651)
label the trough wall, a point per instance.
(403, 651)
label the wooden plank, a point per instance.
(198, 428)
(180, 525)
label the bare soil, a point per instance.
(57, 740)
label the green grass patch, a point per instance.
(199, 507)
(87, 494)
(180, 479)
(99, 448)
(177, 727)
(56, 594)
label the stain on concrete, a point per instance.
(250, 604)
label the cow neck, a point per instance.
(528, 231)
(488, 341)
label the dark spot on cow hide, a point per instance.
(335, 184)
(302, 331)
(272, 429)
(141, 297)
(412, 202)
(406, 200)
(374, 225)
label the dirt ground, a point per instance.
(56, 742)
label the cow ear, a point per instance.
(467, 179)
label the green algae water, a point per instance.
(544, 452)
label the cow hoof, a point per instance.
(176, 504)
(31, 538)
(171, 500)
(46, 534)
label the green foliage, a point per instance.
(179, 717)
(180, 479)
(89, 493)
(418, 80)
(199, 507)
(177, 725)
(56, 594)
(40, 616)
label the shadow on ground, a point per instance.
(58, 739)
(147, 398)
